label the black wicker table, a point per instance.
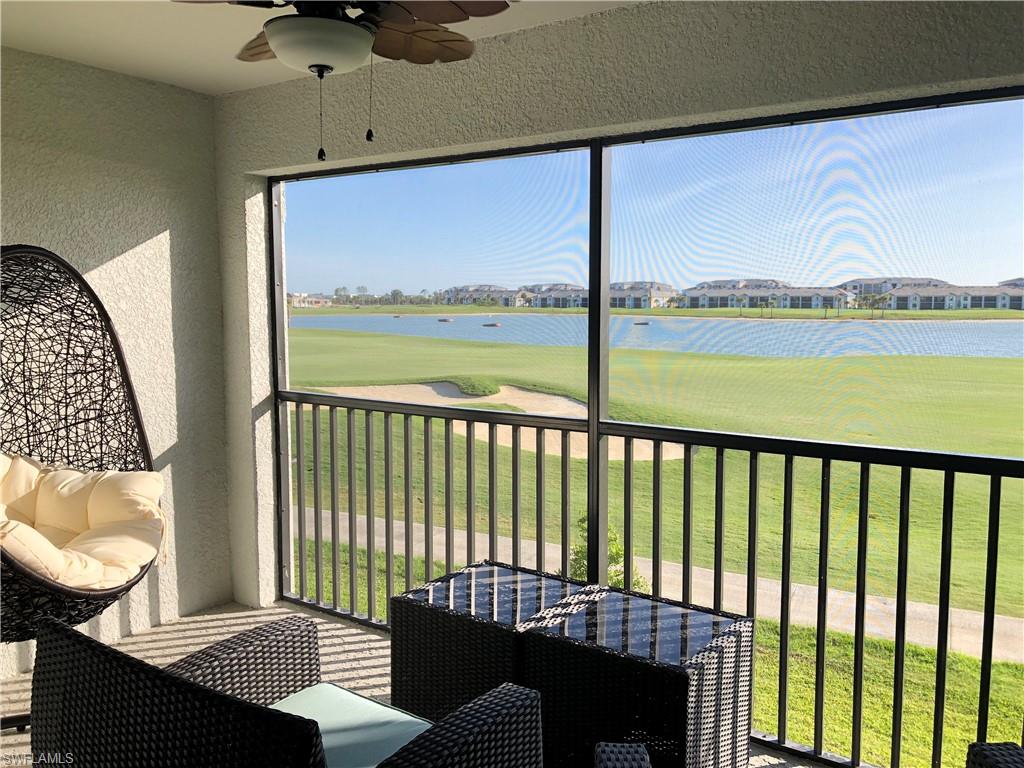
(610, 665)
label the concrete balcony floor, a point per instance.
(351, 655)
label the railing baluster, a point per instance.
(389, 511)
(902, 559)
(753, 480)
(492, 491)
(566, 522)
(470, 492)
(784, 608)
(687, 523)
(428, 500)
(942, 641)
(332, 425)
(516, 521)
(627, 513)
(407, 460)
(300, 438)
(318, 528)
(449, 502)
(371, 541)
(858, 623)
(285, 502)
(539, 528)
(988, 631)
(822, 622)
(353, 539)
(656, 521)
(719, 525)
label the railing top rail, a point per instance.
(508, 418)
(1004, 466)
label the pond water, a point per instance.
(721, 336)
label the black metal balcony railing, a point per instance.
(344, 450)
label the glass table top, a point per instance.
(529, 602)
(640, 627)
(497, 593)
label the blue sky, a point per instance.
(938, 192)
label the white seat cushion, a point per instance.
(19, 482)
(89, 530)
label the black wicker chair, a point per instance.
(621, 756)
(1004, 754)
(111, 710)
(67, 400)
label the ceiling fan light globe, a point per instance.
(305, 43)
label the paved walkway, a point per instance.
(880, 612)
(351, 655)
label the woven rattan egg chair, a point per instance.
(66, 399)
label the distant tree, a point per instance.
(874, 301)
(397, 296)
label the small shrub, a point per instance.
(616, 559)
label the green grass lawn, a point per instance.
(1007, 703)
(776, 314)
(964, 404)
(979, 399)
(969, 538)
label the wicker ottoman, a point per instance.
(454, 639)
(630, 668)
(1004, 754)
(610, 665)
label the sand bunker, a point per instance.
(446, 393)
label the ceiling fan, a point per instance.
(325, 37)
(339, 36)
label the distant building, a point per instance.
(1000, 296)
(642, 294)
(863, 286)
(742, 283)
(309, 300)
(486, 294)
(781, 296)
(1017, 282)
(558, 295)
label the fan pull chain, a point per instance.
(321, 155)
(369, 130)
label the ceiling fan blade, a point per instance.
(421, 43)
(251, 3)
(482, 7)
(444, 12)
(257, 49)
(386, 11)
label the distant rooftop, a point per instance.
(959, 290)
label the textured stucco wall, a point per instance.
(116, 175)
(647, 66)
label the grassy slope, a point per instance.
(1007, 706)
(891, 400)
(778, 314)
(979, 399)
(969, 530)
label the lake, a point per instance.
(720, 336)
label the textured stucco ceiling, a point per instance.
(193, 45)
